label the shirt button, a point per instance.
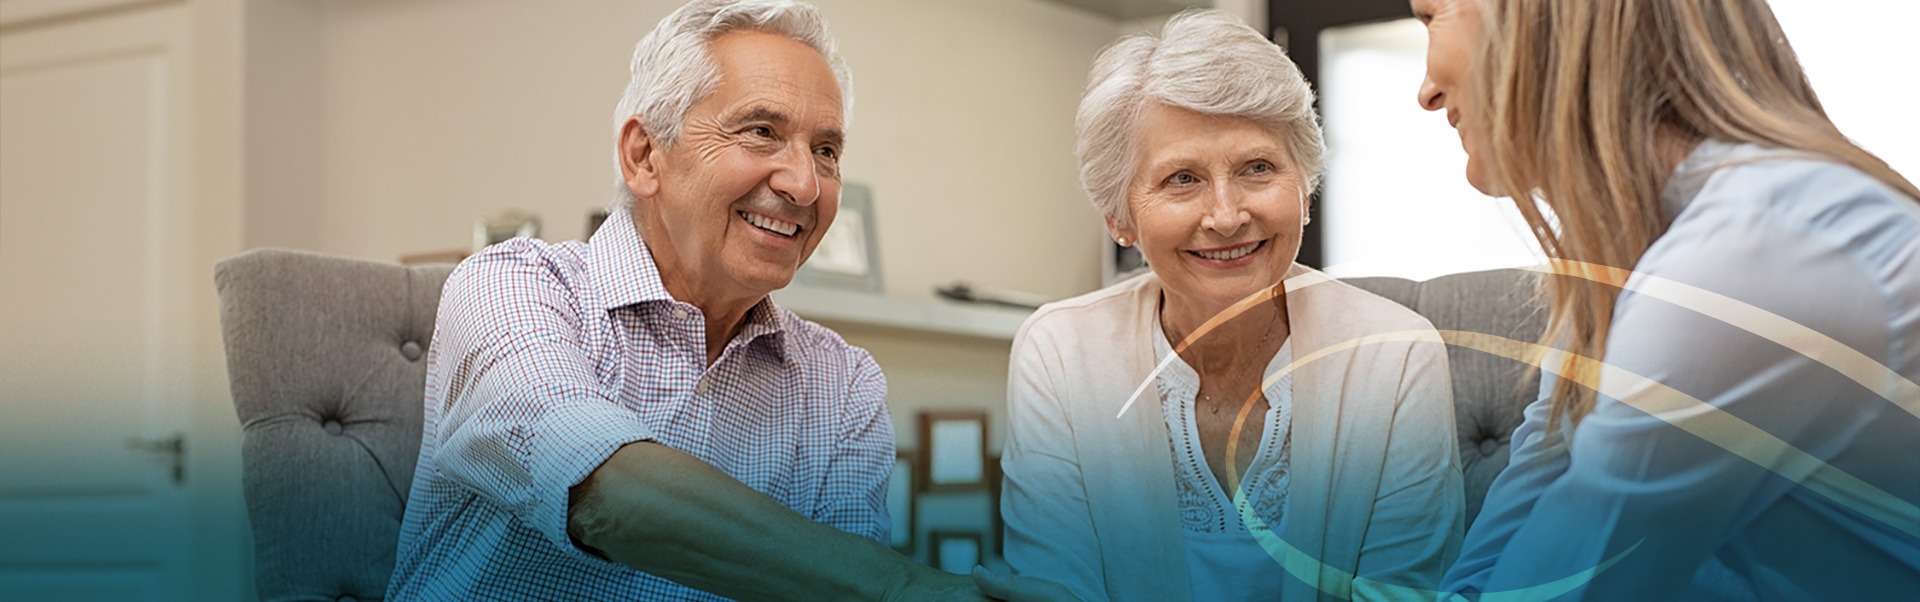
(701, 388)
(679, 313)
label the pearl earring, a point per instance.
(1123, 241)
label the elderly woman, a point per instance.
(1201, 147)
(1755, 433)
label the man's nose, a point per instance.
(1430, 97)
(796, 177)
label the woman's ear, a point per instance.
(1306, 208)
(637, 159)
(1125, 235)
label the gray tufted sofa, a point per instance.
(327, 361)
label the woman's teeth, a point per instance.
(1228, 254)
(769, 224)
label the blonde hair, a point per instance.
(1586, 104)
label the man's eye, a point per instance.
(828, 152)
(761, 131)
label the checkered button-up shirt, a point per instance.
(548, 357)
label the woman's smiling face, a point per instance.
(1217, 205)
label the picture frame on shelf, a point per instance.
(995, 476)
(848, 256)
(954, 551)
(953, 451)
(900, 501)
(594, 219)
(505, 225)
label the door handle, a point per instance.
(174, 447)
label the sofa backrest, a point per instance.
(1489, 392)
(327, 361)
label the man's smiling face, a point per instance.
(732, 207)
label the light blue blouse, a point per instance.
(1813, 242)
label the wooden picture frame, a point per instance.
(848, 255)
(955, 551)
(900, 498)
(953, 451)
(994, 478)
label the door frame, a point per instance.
(1296, 26)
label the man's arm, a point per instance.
(525, 425)
(665, 512)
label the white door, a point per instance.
(95, 349)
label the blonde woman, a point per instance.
(1200, 146)
(1745, 281)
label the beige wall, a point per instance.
(381, 128)
(432, 113)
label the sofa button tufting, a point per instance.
(411, 350)
(1489, 445)
(331, 426)
(348, 599)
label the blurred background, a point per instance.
(142, 141)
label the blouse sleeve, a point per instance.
(1049, 528)
(1700, 425)
(1414, 530)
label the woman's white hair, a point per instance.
(672, 70)
(1205, 61)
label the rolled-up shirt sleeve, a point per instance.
(523, 417)
(854, 495)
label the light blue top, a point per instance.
(1814, 242)
(1224, 561)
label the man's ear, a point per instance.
(638, 161)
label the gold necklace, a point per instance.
(1214, 408)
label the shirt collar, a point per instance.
(1708, 157)
(765, 319)
(624, 270)
(622, 267)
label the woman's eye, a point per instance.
(1181, 179)
(1260, 168)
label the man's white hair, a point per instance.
(1205, 61)
(672, 69)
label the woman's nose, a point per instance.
(1429, 96)
(1226, 214)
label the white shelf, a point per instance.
(921, 315)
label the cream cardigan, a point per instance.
(1375, 487)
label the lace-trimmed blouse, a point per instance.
(1224, 561)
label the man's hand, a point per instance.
(1015, 588)
(665, 512)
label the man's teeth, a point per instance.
(771, 225)
(1229, 254)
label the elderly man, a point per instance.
(632, 417)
